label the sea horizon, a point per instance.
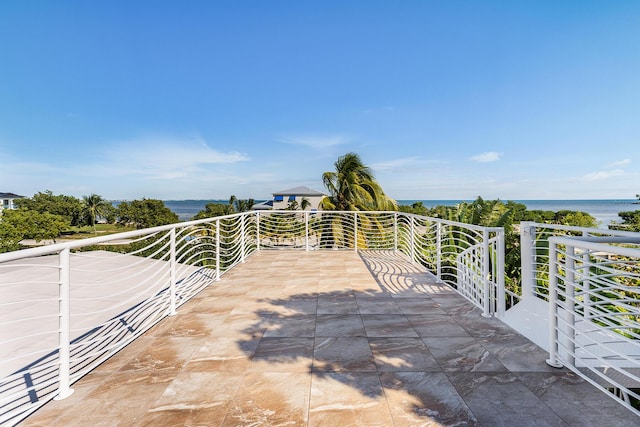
(605, 211)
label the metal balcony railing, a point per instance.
(579, 299)
(66, 308)
(594, 312)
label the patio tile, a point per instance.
(375, 305)
(348, 399)
(222, 354)
(339, 325)
(575, 402)
(402, 354)
(283, 354)
(290, 326)
(418, 306)
(459, 354)
(517, 353)
(499, 399)
(271, 398)
(342, 354)
(340, 303)
(390, 325)
(195, 398)
(436, 325)
(425, 399)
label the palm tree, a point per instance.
(95, 206)
(352, 187)
(240, 205)
(304, 203)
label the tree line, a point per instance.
(46, 216)
(350, 186)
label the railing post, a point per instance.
(172, 266)
(528, 258)
(257, 230)
(395, 231)
(306, 231)
(570, 302)
(499, 268)
(355, 231)
(553, 307)
(217, 250)
(439, 251)
(486, 290)
(589, 313)
(413, 240)
(242, 236)
(64, 324)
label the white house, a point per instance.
(282, 199)
(7, 200)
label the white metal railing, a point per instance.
(534, 246)
(594, 312)
(65, 308)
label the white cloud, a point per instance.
(164, 158)
(397, 165)
(489, 156)
(620, 163)
(316, 142)
(599, 176)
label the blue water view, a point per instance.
(604, 211)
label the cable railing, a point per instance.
(594, 312)
(534, 244)
(68, 307)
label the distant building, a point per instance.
(7, 200)
(283, 199)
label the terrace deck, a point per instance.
(330, 338)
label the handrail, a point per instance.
(594, 311)
(152, 272)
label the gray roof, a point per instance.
(10, 196)
(299, 191)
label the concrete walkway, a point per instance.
(331, 339)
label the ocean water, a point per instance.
(604, 211)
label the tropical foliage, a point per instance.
(94, 207)
(145, 213)
(630, 221)
(352, 187)
(68, 207)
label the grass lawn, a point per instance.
(87, 231)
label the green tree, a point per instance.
(145, 213)
(630, 221)
(66, 206)
(240, 205)
(95, 206)
(352, 186)
(30, 224)
(212, 210)
(9, 236)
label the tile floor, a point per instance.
(330, 339)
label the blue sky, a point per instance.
(204, 99)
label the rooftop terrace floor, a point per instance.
(330, 339)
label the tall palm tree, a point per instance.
(352, 186)
(95, 206)
(240, 205)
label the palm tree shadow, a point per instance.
(397, 275)
(363, 339)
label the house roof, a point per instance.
(299, 191)
(10, 196)
(263, 205)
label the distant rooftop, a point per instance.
(10, 196)
(299, 191)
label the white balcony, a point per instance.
(206, 323)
